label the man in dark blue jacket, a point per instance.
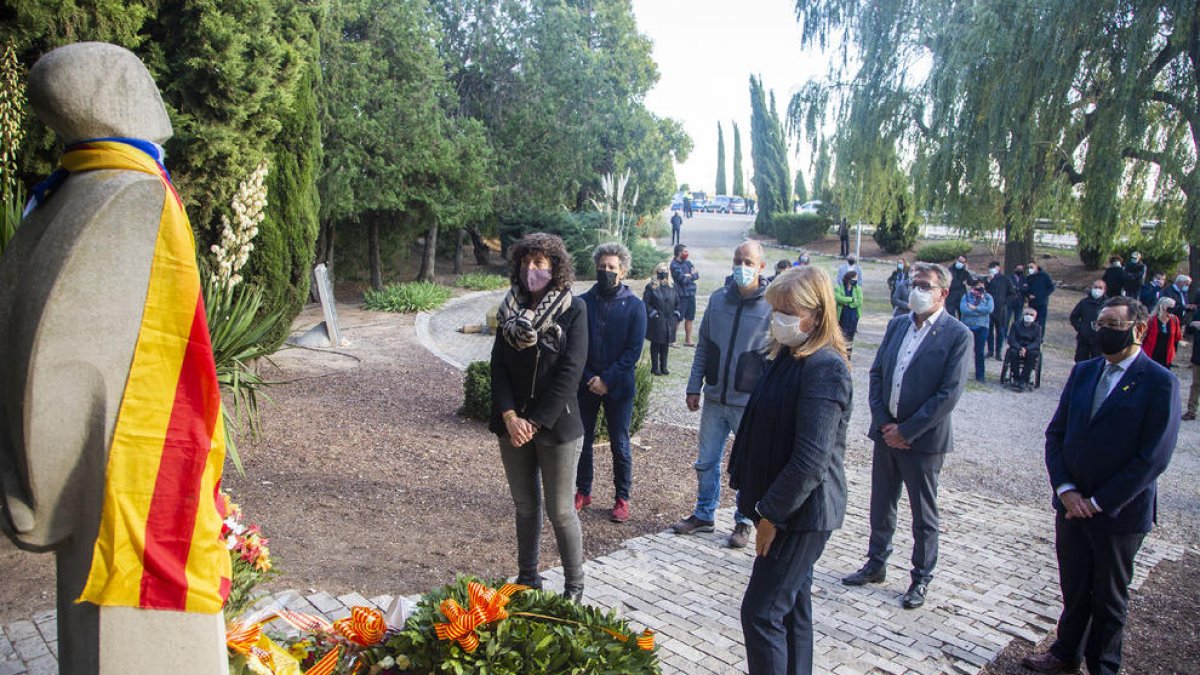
(684, 274)
(616, 331)
(1113, 434)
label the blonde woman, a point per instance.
(1163, 334)
(662, 316)
(787, 467)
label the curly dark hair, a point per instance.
(562, 270)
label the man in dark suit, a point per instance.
(1180, 292)
(916, 380)
(1111, 437)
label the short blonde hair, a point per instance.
(661, 267)
(808, 287)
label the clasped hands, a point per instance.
(1077, 505)
(893, 437)
(597, 386)
(520, 431)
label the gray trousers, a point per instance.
(892, 469)
(529, 468)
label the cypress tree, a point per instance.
(800, 189)
(720, 187)
(739, 187)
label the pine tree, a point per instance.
(720, 187)
(739, 187)
(800, 189)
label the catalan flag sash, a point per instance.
(160, 544)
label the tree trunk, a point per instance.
(481, 249)
(459, 236)
(1018, 247)
(427, 259)
(373, 252)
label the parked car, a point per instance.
(719, 204)
(737, 205)
(699, 205)
(811, 206)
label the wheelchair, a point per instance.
(1010, 364)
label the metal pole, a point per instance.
(858, 241)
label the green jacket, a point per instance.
(853, 301)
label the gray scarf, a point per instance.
(523, 326)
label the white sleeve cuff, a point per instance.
(1065, 487)
(1096, 505)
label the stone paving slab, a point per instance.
(996, 580)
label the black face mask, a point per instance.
(607, 281)
(662, 275)
(1113, 341)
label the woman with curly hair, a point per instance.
(537, 359)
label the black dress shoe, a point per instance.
(915, 597)
(869, 574)
(1048, 663)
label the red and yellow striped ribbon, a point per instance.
(159, 544)
(486, 605)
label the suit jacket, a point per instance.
(932, 385)
(1116, 456)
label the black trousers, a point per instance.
(777, 609)
(845, 246)
(892, 469)
(1022, 368)
(658, 356)
(674, 235)
(1094, 569)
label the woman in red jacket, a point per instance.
(1163, 334)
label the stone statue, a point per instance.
(73, 290)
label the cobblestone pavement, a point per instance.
(996, 580)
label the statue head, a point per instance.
(96, 90)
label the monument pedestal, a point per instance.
(146, 641)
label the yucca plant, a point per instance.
(239, 340)
(10, 216)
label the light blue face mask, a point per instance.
(744, 276)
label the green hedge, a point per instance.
(482, 281)
(580, 233)
(1161, 252)
(798, 229)
(943, 251)
(477, 396)
(646, 256)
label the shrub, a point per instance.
(798, 229)
(1161, 251)
(645, 256)
(543, 633)
(477, 391)
(416, 296)
(482, 281)
(897, 232)
(943, 251)
(477, 396)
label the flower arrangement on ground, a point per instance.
(249, 553)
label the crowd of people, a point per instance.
(771, 369)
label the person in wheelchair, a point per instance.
(1024, 349)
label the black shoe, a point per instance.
(741, 535)
(692, 525)
(575, 595)
(664, 371)
(655, 371)
(915, 597)
(534, 582)
(869, 574)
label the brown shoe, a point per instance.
(1048, 663)
(1189, 416)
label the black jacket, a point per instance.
(787, 458)
(1025, 335)
(541, 385)
(959, 280)
(1135, 276)
(662, 303)
(1000, 287)
(1040, 286)
(1114, 281)
(1086, 311)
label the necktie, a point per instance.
(1111, 373)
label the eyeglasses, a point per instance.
(924, 286)
(1115, 325)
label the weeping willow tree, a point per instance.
(1006, 108)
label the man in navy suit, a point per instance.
(916, 380)
(1111, 437)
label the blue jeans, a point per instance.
(981, 338)
(618, 415)
(716, 423)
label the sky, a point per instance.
(706, 51)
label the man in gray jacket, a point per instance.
(729, 361)
(916, 380)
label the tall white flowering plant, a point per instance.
(12, 132)
(239, 328)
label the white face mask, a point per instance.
(920, 301)
(958, 266)
(993, 271)
(1027, 318)
(785, 328)
(1097, 293)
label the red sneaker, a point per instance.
(582, 501)
(620, 512)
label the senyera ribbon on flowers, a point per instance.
(487, 605)
(364, 627)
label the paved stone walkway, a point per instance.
(996, 580)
